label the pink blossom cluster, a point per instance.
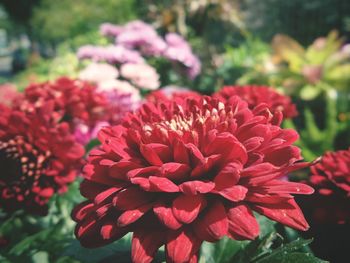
(136, 39)
(111, 54)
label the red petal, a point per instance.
(145, 244)
(195, 187)
(214, 224)
(106, 194)
(187, 207)
(226, 144)
(287, 213)
(130, 216)
(90, 189)
(181, 246)
(166, 216)
(143, 172)
(175, 171)
(180, 152)
(228, 176)
(121, 168)
(150, 154)
(162, 184)
(242, 223)
(112, 231)
(162, 151)
(235, 193)
(82, 210)
(285, 187)
(131, 198)
(253, 143)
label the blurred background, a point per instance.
(38, 37)
(301, 48)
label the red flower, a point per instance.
(73, 99)
(255, 95)
(38, 157)
(178, 174)
(78, 103)
(171, 93)
(331, 179)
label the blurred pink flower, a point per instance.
(179, 50)
(8, 93)
(108, 29)
(98, 72)
(110, 54)
(137, 34)
(142, 75)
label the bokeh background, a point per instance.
(301, 48)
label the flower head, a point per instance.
(177, 174)
(255, 95)
(79, 103)
(179, 50)
(110, 54)
(172, 93)
(137, 34)
(98, 72)
(38, 158)
(141, 75)
(331, 179)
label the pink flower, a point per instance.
(178, 174)
(110, 54)
(141, 75)
(179, 50)
(108, 29)
(98, 72)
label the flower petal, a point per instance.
(242, 223)
(187, 207)
(181, 246)
(214, 224)
(145, 244)
(195, 187)
(166, 216)
(287, 213)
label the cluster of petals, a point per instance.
(331, 179)
(98, 72)
(8, 93)
(111, 54)
(141, 75)
(172, 93)
(38, 158)
(179, 50)
(176, 174)
(77, 102)
(110, 30)
(140, 36)
(255, 95)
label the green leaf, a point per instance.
(119, 249)
(221, 251)
(288, 254)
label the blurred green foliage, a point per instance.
(57, 21)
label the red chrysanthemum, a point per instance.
(255, 95)
(171, 94)
(178, 174)
(81, 104)
(38, 158)
(331, 179)
(73, 99)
